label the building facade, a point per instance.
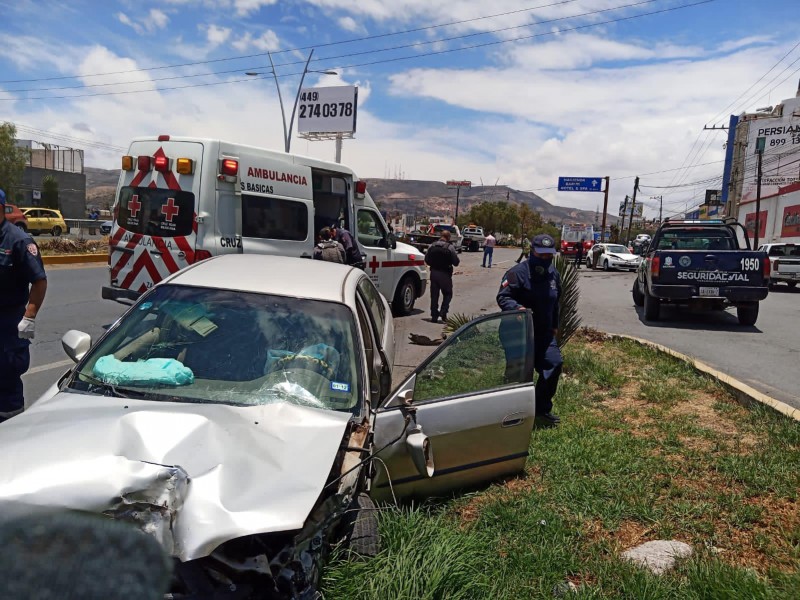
(65, 166)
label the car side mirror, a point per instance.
(392, 241)
(419, 447)
(76, 344)
(383, 243)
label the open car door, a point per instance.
(464, 416)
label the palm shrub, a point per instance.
(569, 320)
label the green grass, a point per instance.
(606, 480)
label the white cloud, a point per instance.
(217, 35)
(350, 24)
(245, 7)
(155, 19)
(267, 41)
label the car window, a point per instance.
(696, 239)
(370, 228)
(156, 212)
(373, 301)
(274, 218)
(9, 210)
(488, 354)
(784, 251)
(187, 344)
(617, 249)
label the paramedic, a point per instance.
(345, 238)
(441, 257)
(535, 284)
(328, 249)
(23, 284)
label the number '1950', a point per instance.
(750, 264)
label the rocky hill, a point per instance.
(409, 196)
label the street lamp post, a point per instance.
(287, 135)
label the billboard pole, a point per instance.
(605, 209)
(458, 192)
(760, 143)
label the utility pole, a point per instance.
(660, 206)
(622, 225)
(760, 143)
(633, 205)
(458, 193)
(605, 209)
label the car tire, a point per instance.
(21, 226)
(56, 231)
(638, 297)
(652, 307)
(791, 284)
(747, 314)
(404, 296)
(605, 265)
(361, 536)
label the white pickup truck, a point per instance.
(473, 238)
(784, 262)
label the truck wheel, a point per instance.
(360, 524)
(473, 246)
(652, 308)
(747, 313)
(404, 296)
(638, 298)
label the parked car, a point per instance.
(236, 418)
(422, 240)
(106, 226)
(784, 263)
(45, 220)
(16, 216)
(700, 263)
(612, 256)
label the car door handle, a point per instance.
(123, 249)
(513, 420)
(158, 252)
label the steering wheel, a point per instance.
(303, 361)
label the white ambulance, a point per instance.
(181, 200)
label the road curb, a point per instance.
(743, 393)
(70, 259)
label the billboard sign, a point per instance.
(453, 184)
(713, 197)
(627, 210)
(327, 109)
(781, 140)
(750, 224)
(580, 184)
(790, 224)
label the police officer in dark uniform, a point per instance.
(23, 284)
(535, 284)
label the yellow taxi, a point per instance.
(45, 220)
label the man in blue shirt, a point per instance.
(23, 284)
(536, 285)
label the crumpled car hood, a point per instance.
(194, 475)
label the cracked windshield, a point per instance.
(197, 345)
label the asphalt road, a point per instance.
(766, 356)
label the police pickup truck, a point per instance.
(701, 264)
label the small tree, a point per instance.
(569, 320)
(50, 192)
(12, 159)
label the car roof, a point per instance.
(278, 275)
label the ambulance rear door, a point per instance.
(277, 208)
(155, 226)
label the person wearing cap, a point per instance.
(536, 285)
(345, 238)
(23, 284)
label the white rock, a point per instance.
(658, 556)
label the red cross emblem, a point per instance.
(374, 264)
(169, 209)
(134, 206)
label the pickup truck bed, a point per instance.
(699, 264)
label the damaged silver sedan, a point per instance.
(242, 413)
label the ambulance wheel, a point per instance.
(56, 231)
(404, 296)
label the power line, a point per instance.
(316, 46)
(68, 139)
(395, 59)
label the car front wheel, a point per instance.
(606, 267)
(747, 314)
(56, 231)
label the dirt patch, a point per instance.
(630, 533)
(469, 512)
(589, 334)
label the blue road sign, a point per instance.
(580, 184)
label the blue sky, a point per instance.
(619, 99)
